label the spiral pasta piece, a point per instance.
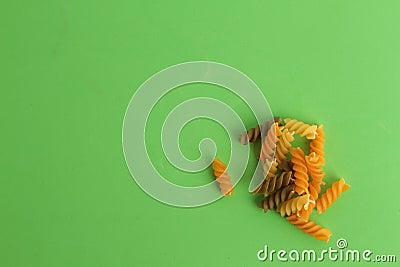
(317, 145)
(268, 175)
(273, 168)
(294, 205)
(278, 181)
(309, 131)
(269, 145)
(331, 194)
(314, 188)
(250, 136)
(260, 130)
(283, 145)
(314, 167)
(286, 165)
(310, 228)
(222, 177)
(300, 170)
(277, 198)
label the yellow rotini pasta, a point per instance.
(283, 145)
(300, 170)
(310, 228)
(331, 194)
(294, 205)
(317, 145)
(222, 177)
(309, 131)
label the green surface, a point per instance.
(69, 68)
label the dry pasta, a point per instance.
(283, 145)
(309, 131)
(314, 167)
(286, 165)
(331, 194)
(300, 170)
(286, 186)
(317, 145)
(269, 145)
(294, 205)
(255, 133)
(278, 181)
(275, 199)
(273, 168)
(314, 188)
(250, 136)
(310, 228)
(222, 177)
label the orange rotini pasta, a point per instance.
(222, 177)
(310, 228)
(314, 167)
(269, 145)
(314, 188)
(317, 145)
(300, 170)
(331, 194)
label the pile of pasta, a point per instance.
(292, 180)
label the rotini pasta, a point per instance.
(317, 145)
(272, 170)
(255, 133)
(300, 170)
(250, 136)
(275, 199)
(275, 183)
(331, 194)
(310, 228)
(314, 167)
(269, 145)
(268, 124)
(222, 177)
(285, 165)
(294, 205)
(268, 175)
(309, 131)
(314, 188)
(283, 145)
(292, 181)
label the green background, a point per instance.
(69, 68)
